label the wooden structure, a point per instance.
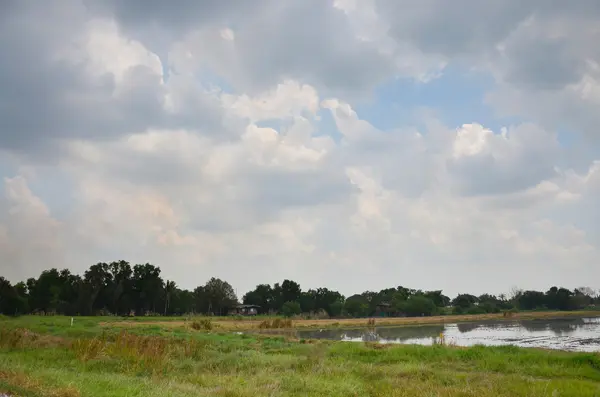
(245, 310)
(383, 309)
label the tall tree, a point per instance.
(288, 291)
(148, 287)
(219, 295)
(170, 289)
(96, 279)
(261, 296)
(120, 291)
(45, 291)
(9, 302)
(464, 301)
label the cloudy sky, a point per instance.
(354, 144)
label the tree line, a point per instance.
(118, 288)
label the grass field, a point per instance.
(249, 323)
(45, 356)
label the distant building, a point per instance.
(383, 309)
(245, 310)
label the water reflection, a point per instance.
(466, 327)
(581, 334)
(382, 334)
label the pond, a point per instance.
(573, 334)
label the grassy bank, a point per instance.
(54, 359)
(248, 323)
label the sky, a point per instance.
(355, 145)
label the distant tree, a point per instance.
(44, 292)
(288, 291)
(170, 288)
(120, 290)
(148, 287)
(328, 300)
(418, 305)
(219, 295)
(183, 302)
(559, 299)
(336, 308)
(96, 279)
(23, 297)
(261, 296)
(439, 299)
(356, 306)
(8, 297)
(200, 300)
(464, 301)
(308, 301)
(530, 300)
(490, 304)
(290, 309)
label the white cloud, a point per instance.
(203, 142)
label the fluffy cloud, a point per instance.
(224, 139)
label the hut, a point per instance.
(383, 309)
(245, 310)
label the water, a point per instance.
(573, 334)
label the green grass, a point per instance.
(44, 356)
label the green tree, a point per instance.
(8, 298)
(438, 298)
(182, 302)
(418, 305)
(464, 301)
(120, 290)
(45, 291)
(148, 287)
(96, 280)
(219, 295)
(261, 296)
(288, 291)
(559, 299)
(170, 289)
(529, 300)
(356, 306)
(290, 308)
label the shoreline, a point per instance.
(253, 323)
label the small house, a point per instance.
(383, 309)
(245, 310)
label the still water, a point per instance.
(574, 334)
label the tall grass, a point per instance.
(203, 324)
(138, 353)
(157, 362)
(276, 323)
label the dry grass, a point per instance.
(138, 353)
(228, 324)
(204, 324)
(19, 338)
(27, 385)
(276, 323)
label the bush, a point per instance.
(476, 310)
(205, 324)
(276, 323)
(290, 309)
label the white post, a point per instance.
(71, 321)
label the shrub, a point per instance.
(205, 324)
(290, 309)
(276, 323)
